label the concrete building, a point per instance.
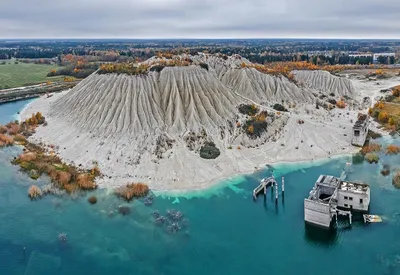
(360, 130)
(331, 197)
(376, 55)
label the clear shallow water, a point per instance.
(228, 233)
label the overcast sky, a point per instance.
(199, 18)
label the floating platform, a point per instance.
(371, 218)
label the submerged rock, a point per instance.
(62, 237)
(385, 170)
(396, 179)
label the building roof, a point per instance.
(361, 121)
(354, 187)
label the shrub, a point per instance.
(341, 104)
(6, 139)
(85, 71)
(35, 119)
(250, 130)
(396, 179)
(392, 149)
(383, 117)
(389, 98)
(375, 113)
(157, 68)
(95, 171)
(123, 68)
(3, 129)
(254, 128)
(373, 135)
(85, 182)
(19, 138)
(261, 117)
(279, 107)
(204, 66)
(371, 148)
(248, 109)
(372, 158)
(332, 101)
(34, 192)
(132, 190)
(13, 128)
(396, 91)
(379, 105)
(28, 156)
(209, 151)
(92, 200)
(63, 177)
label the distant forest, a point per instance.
(261, 51)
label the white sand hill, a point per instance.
(150, 128)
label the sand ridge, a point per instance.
(149, 127)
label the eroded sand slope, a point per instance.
(149, 128)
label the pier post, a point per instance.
(276, 193)
(283, 186)
(272, 190)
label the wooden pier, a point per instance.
(264, 183)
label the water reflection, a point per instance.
(319, 236)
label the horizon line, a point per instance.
(198, 38)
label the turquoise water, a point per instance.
(227, 232)
(9, 111)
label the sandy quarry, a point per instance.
(150, 128)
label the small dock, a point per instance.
(262, 188)
(371, 218)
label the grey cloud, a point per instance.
(199, 18)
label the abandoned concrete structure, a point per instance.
(360, 130)
(331, 197)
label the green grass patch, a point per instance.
(22, 74)
(60, 167)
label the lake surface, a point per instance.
(226, 233)
(9, 111)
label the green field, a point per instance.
(15, 75)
